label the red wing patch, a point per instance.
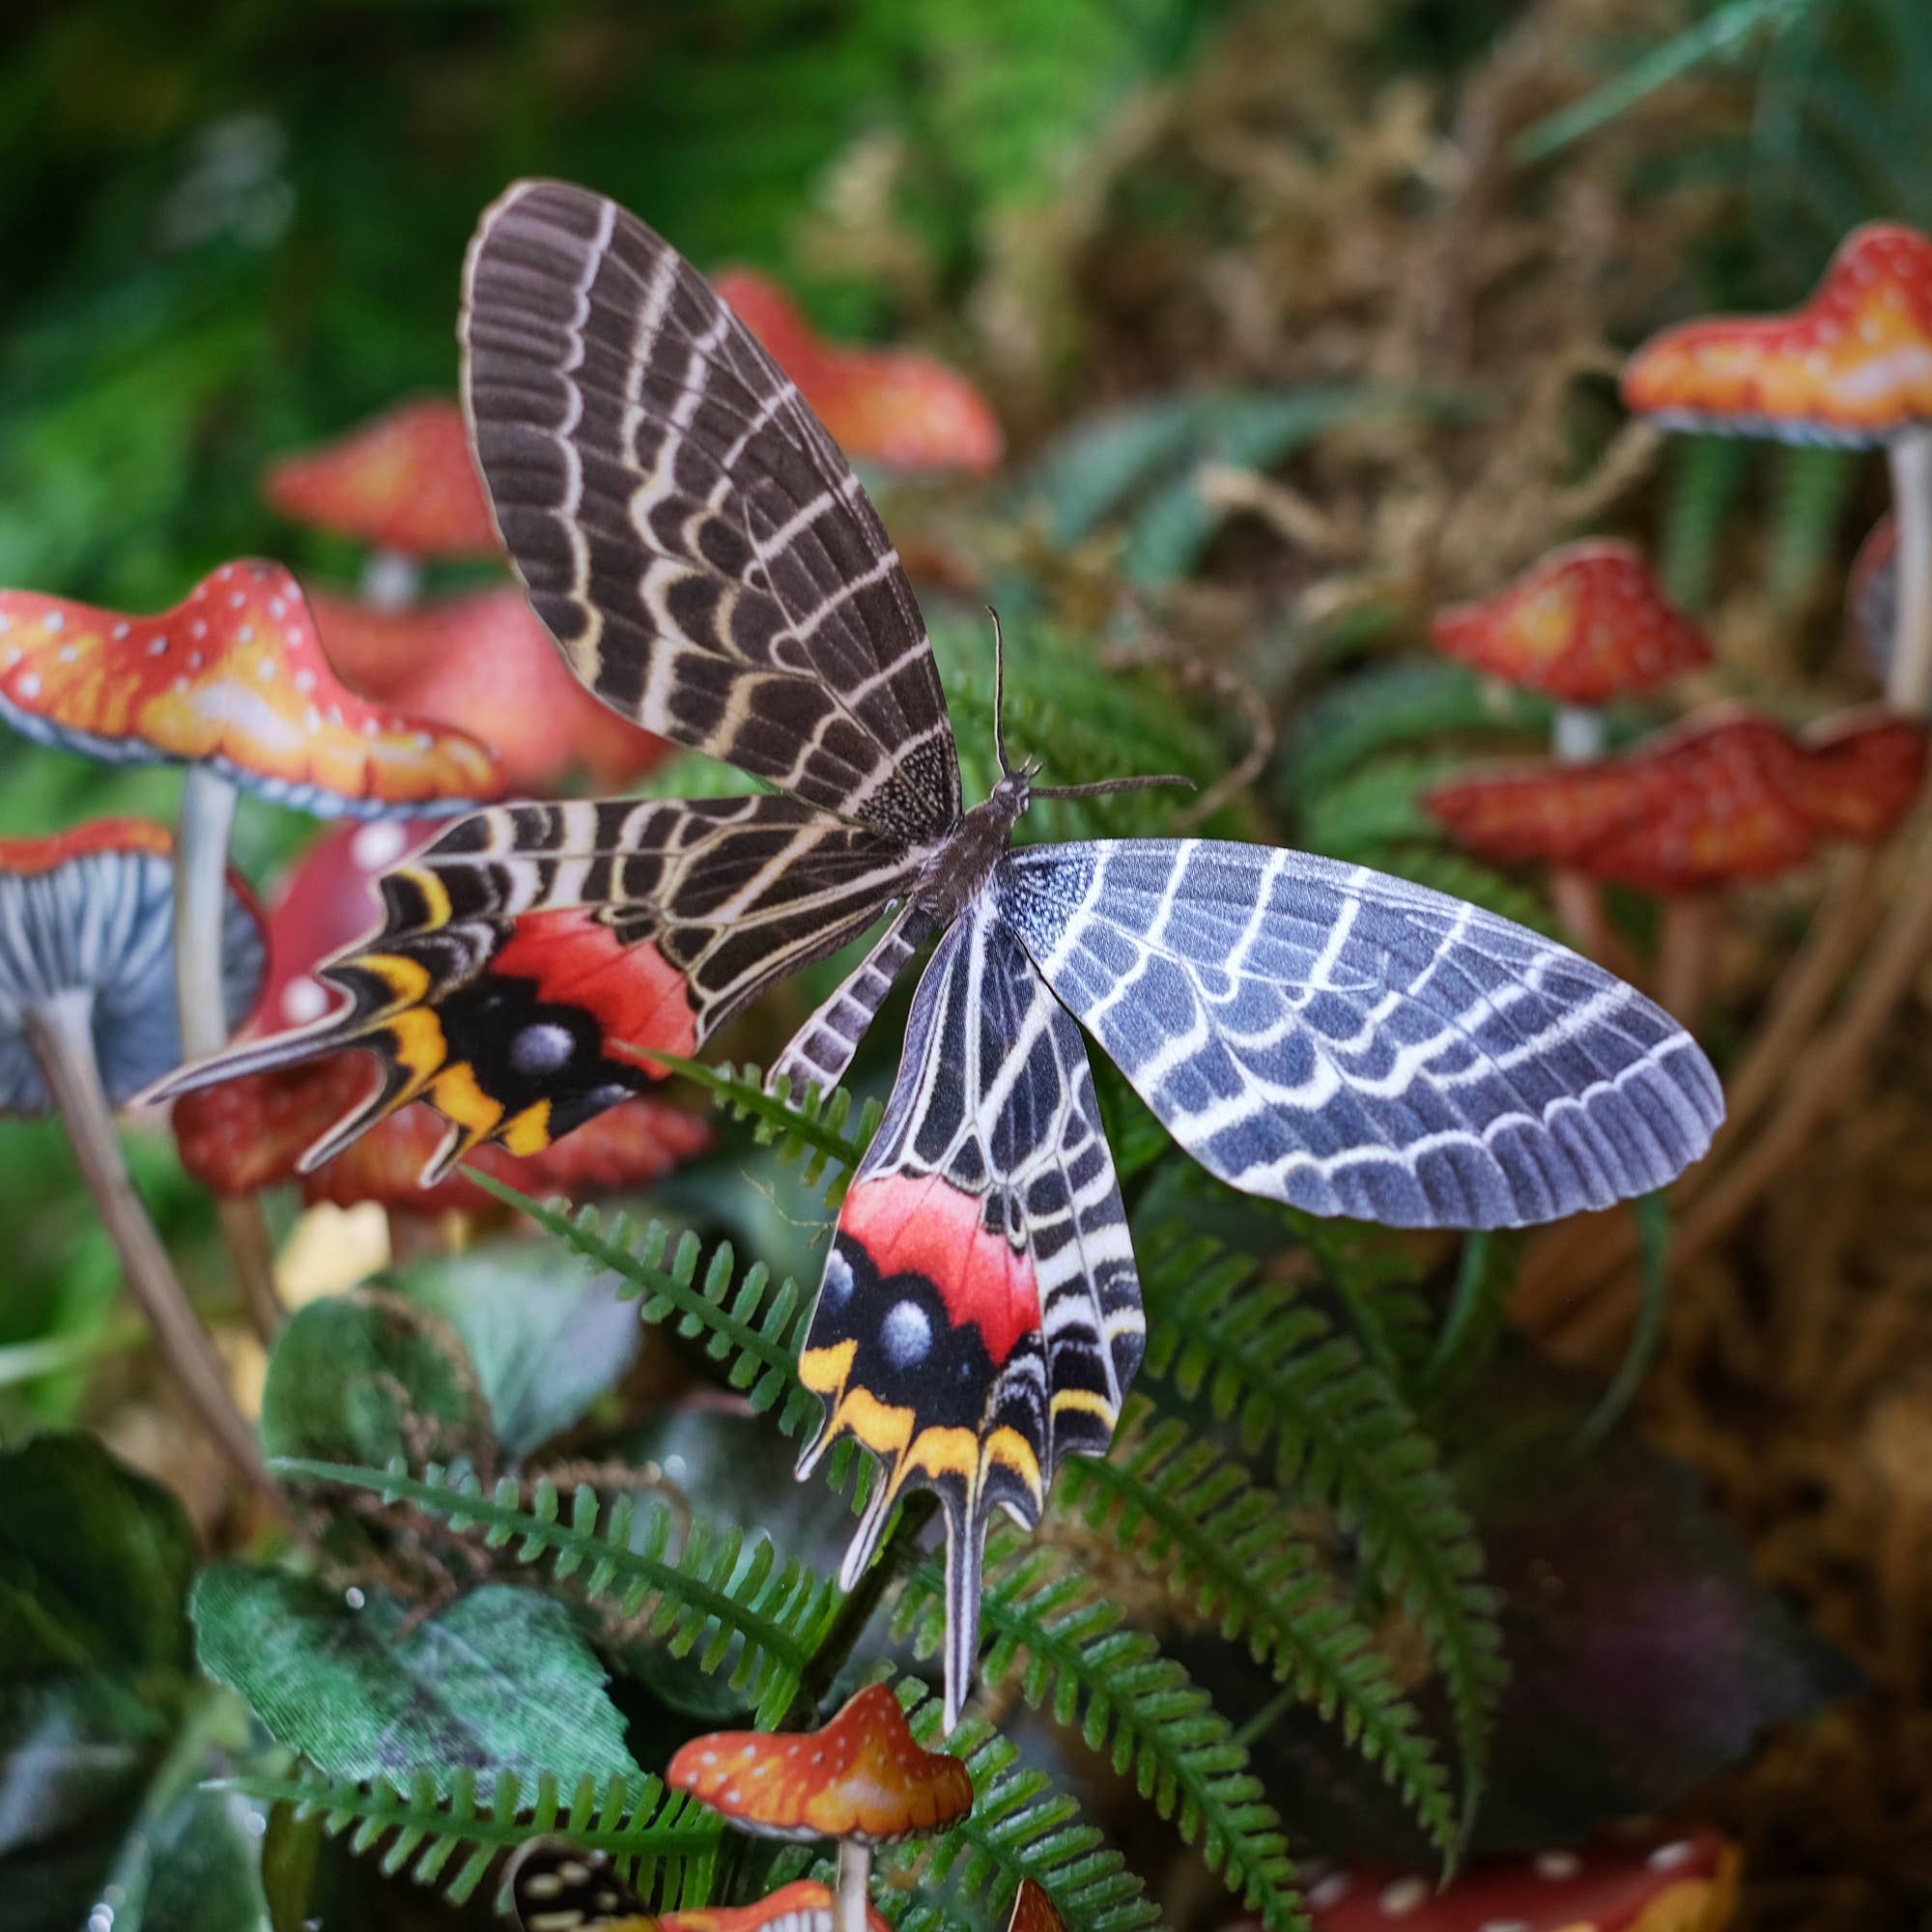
(969, 1360)
(633, 992)
(924, 1226)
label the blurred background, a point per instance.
(1299, 322)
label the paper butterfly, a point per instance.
(1312, 1032)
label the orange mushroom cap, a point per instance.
(485, 665)
(1729, 796)
(889, 405)
(232, 677)
(403, 481)
(803, 1906)
(863, 1776)
(1033, 1910)
(1688, 1885)
(1853, 365)
(1587, 623)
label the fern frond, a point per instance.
(722, 1598)
(1707, 473)
(1410, 701)
(1341, 1436)
(1477, 1314)
(746, 1324)
(1064, 1648)
(663, 1841)
(1192, 1518)
(810, 1127)
(1813, 486)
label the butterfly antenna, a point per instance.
(999, 695)
(1102, 787)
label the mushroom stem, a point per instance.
(390, 579)
(60, 1035)
(1908, 688)
(1578, 734)
(1576, 740)
(855, 1873)
(1690, 924)
(201, 866)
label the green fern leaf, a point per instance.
(663, 1841)
(1380, 803)
(1065, 1649)
(1342, 1437)
(1707, 473)
(810, 1127)
(1192, 1517)
(722, 1599)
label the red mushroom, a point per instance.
(251, 1133)
(862, 1780)
(555, 1888)
(1853, 365)
(403, 483)
(1033, 1910)
(484, 664)
(1585, 624)
(1685, 1884)
(231, 684)
(87, 1019)
(890, 405)
(1729, 796)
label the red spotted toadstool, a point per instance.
(863, 1779)
(1853, 365)
(1682, 1884)
(888, 406)
(402, 483)
(1725, 798)
(482, 663)
(232, 685)
(87, 1019)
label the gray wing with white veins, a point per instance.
(1353, 1044)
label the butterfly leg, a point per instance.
(822, 1049)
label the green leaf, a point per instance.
(545, 1342)
(500, 1680)
(95, 1562)
(365, 1377)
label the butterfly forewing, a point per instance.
(1354, 1044)
(529, 945)
(690, 534)
(980, 1316)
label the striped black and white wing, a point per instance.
(525, 949)
(979, 1316)
(687, 529)
(1353, 1044)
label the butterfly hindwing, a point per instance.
(979, 1316)
(692, 538)
(1354, 1044)
(525, 949)
(555, 1888)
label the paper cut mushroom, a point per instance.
(250, 1133)
(892, 407)
(1871, 597)
(483, 663)
(1033, 1910)
(87, 1019)
(862, 1780)
(555, 1887)
(1725, 797)
(232, 685)
(1585, 625)
(1853, 365)
(402, 483)
(1685, 1884)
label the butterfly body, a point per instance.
(1315, 1033)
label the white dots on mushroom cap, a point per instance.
(303, 999)
(1330, 1891)
(1556, 1865)
(1668, 1858)
(1404, 1896)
